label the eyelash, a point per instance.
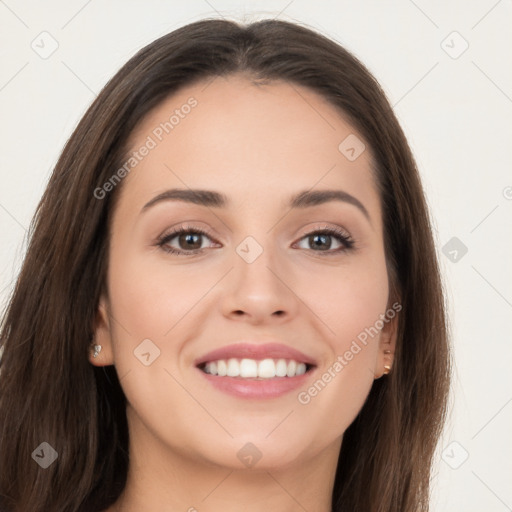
(163, 240)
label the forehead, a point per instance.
(250, 141)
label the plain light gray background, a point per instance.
(454, 103)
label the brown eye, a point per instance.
(323, 239)
(189, 240)
(186, 240)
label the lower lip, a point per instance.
(253, 388)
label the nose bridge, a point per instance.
(259, 288)
(258, 243)
(256, 258)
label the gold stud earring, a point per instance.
(387, 369)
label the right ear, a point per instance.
(102, 336)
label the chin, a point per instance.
(256, 452)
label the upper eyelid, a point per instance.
(186, 228)
(172, 232)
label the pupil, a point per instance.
(189, 238)
(322, 237)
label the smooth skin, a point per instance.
(258, 145)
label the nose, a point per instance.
(260, 291)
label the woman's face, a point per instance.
(262, 274)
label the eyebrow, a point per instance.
(213, 199)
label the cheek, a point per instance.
(157, 309)
(150, 298)
(351, 302)
(348, 299)
(150, 304)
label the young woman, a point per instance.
(231, 298)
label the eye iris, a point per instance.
(187, 237)
(323, 237)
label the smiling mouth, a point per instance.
(252, 369)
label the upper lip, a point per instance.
(256, 351)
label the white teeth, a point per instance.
(266, 369)
(281, 368)
(222, 368)
(250, 368)
(292, 367)
(301, 368)
(233, 368)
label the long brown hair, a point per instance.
(49, 390)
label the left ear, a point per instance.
(102, 336)
(387, 344)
